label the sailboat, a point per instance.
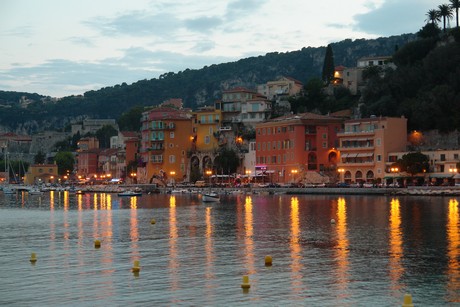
(7, 189)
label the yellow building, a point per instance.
(365, 145)
(166, 139)
(41, 173)
(206, 128)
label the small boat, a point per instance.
(8, 190)
(129, 193)
(210, 197)
(35, 191)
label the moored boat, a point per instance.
(129, 193)
(210, 197)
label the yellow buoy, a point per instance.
(33, 258)
(136, 268)
(97, 243)
(407, 301)
(152, 221)
(268, 260)
(245, 284)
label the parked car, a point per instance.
(343, 185)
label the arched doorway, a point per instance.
(370, 176)
(347, 177)
(359, 176)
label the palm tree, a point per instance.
(433, 16)
(455, 5)
(446, 13)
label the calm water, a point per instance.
(196, 254)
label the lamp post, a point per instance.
(341, 172)
(248, 175)
(208, 174)
(172, 174)
(294, 173)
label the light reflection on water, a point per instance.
(196, 254)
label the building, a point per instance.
(353, 76)
(443, 166)
(290, 147)
(365, 145)
(285, 86)
(87, 157)
(92, 126)
(166, 138)
(41, 173)
(243, 106)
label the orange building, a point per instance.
(289, 147)
(41, 173)
(365, 145)
(166, 139)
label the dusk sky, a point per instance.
(60, 48)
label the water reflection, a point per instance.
(395, 244)
(249, 233)
(342, 245)
(453, 252)
(173, 238)
(296, 248)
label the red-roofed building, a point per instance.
(290, 146)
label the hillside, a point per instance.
(195, 87)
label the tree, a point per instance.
(455, 5)
(446, 13)
(40, 157)
(414, 163)
(432, 16)
(131, 120)
(104, 134)
(65, 162)
(227, 161)
(328, 66)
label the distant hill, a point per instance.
(196, 87)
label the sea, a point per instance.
(325, 250)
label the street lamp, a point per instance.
(172, 174)
(208, 174)
(294, 172)
(341, 171)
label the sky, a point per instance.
(60, 48)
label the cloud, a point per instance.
(64, 77)
(203, 24)
(84, 41)
(394, 17)
(136, 23)
(21, 31)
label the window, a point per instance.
(207, 139)
(269, 145)
(172, 159)
(443, 157)
(455, 156)
(324, 136)
(378, 142)
(171, 135)
(203, 119)
(324, 144)
(379, 158)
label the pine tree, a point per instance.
(328, 66)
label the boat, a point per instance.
(129, 193)
(8, 190)
(210, 197)
(35, 191)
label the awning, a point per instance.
(365, 154)
(440, 175)
(344, 155)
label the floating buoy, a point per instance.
(33, 258)
(407, 301)
(152, 221)
(136, 268)
(97, 243)
(268, 260)
(332, 221)
(245, 284)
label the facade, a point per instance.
(92, 125)
(41, 173)
(353, 76)
(443, 165)
(243, 106)
(365, 145)
(166, 138)
(87, 157)
(285, 86)
(289, 147)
